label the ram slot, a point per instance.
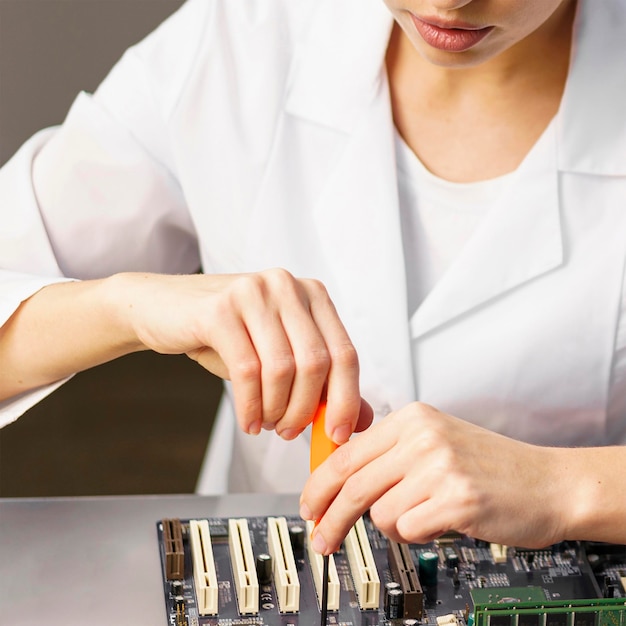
(204, 574)
(362, 566)
(317, 568)
(174, 551)
(403, 572)
(244, 571)
(286, 578)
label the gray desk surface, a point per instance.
(95, 561)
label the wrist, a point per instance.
(118, 297)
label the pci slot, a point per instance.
(317, 568)
(204, 574)
(244, 571)
(403, 572)
(286, 578)
(362, 566)
(174, 551)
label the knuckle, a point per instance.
(279, 368)
(355, 492)
(345, 355)
(316, 288)
(279, 277)
(341, 461)
(315, 364)
(249, 369)
(382, 518)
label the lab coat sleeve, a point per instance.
(100, 194)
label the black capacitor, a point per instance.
(388, 587)
(177, 587)
(452, 558)
(180, 602)
(296, 536)
(264, 568)
(455, 577)
(394, 603)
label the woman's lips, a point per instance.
(452, 39)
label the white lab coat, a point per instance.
(247, 134)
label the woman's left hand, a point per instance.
(422, 473)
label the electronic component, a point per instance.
(569, 584)
(498, 552)
(285, 574)
(428, 568)
(403, 572)
(174, 553)
(363, 567)
(203, 567)
(317, 569)
(244, 571)
(264, 568)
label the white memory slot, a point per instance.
(244, 571)
(285, 573)
(317, 568)
(204, 574)
(362, 566)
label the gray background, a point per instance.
(139, 424)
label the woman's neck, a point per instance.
(479, 122)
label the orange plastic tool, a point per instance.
(321, 448)
(321, 445)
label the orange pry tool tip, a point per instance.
(321, 446)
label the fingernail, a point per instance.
(289, 433)
(254, 428)
(305, 512)
(268, 425)
(341, 434)
(319, 545)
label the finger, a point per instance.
(409, 492)
(292, 351)
(210, 360)
(366, 416)
(244, 369)
(278, 363)
(356, 496)
(328, 480)
(424, 522)
(342, 389)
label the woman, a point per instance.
(452, 182)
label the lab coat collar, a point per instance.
(338, 66)
(591, 122)
(519, 240)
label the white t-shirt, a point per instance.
(438, 218)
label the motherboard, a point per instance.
(260, 571)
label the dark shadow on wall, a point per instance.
(139, 424)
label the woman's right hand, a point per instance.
(276, 337)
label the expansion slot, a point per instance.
(317, 568)
(244, 571)
(286, 578)
(363, 567)
(403, 572)
(174, 551)
(204, 573)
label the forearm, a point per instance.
(62, 329)
(594, 484)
